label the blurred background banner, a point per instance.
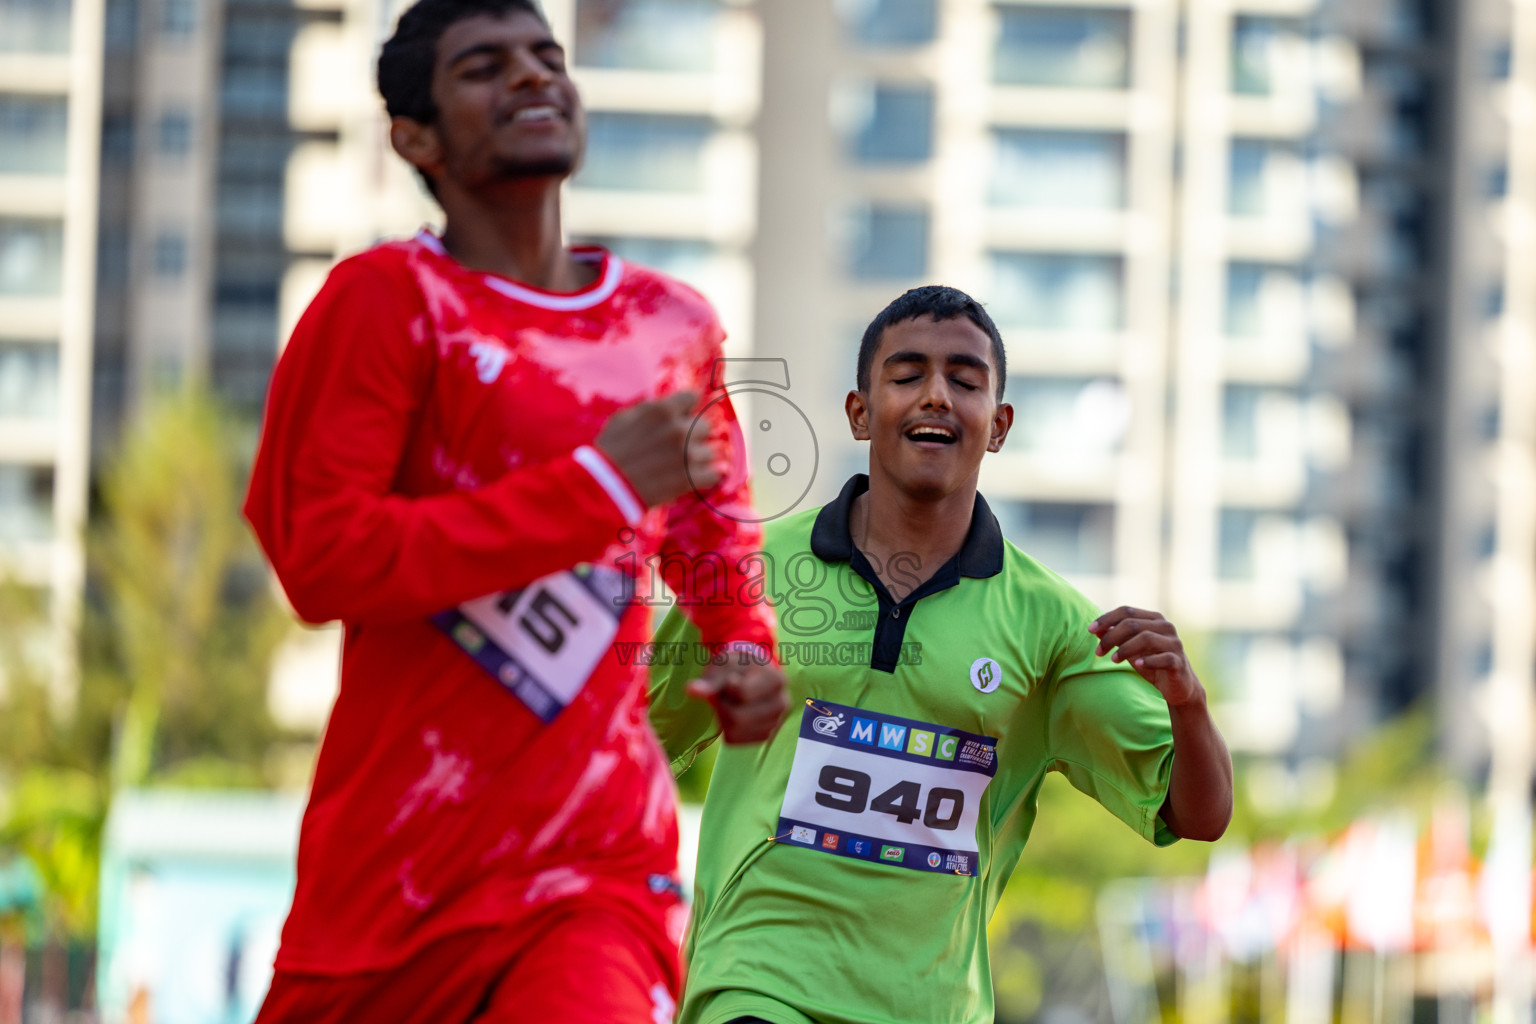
(1264, 269)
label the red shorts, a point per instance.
(580, 962)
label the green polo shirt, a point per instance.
(848, 867)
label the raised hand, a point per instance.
(1152, 646)
(648, 443)
(750, 701)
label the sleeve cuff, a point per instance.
(612, 482)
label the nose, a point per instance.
(936, 392)
(528, 71)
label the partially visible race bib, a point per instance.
(542, 642)
(895, 790)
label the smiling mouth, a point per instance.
(932, 435)
(536, 113)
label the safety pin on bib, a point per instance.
(819, 710)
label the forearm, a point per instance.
(1199, 802)
(361, 557)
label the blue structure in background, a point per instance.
(194, 889)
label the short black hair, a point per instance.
(941, 303)
(406, 61)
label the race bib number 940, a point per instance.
(895, 790)
(542, 642)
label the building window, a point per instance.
(29, 380)
(31, 256)
(175, 134)
(650, 35)
(1493, 302)
(688, 259)
(1501, 59)
(645, 152)
(117, 139)
(178, 17)
(1070, 416)
(122, 25)
(893, 124)
(890, 23)
(888, 242)
(32, 134)
(255, 92)
(1072, 538)
(26, 503)
(112, 257)
(34, 26)
(1234, 543)
(1059, 170)
(1245, 191)
(1245, 308)
(1240, 421)
(1075, 47)
(1496, 181)
(170, 255)
(1254, 42)
(251, 209)
(1057, 291)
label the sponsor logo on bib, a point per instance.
(828, 725)
(801, 834)
(986, 674)
(892, 853)
(829, 841)
(934, 860)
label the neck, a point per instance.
(888, 521)
(512, 229)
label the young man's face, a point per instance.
(931, 411)
(506, 108)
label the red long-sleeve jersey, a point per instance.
(428, 443)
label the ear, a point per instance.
(417, 144)
(1002, 422)
(857, 409)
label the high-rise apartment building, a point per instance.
(1252, 259)
(50, 98)
(216, 125)
(1258, 264)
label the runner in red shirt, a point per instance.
(473, 446)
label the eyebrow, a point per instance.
(496, 49)
(953, 359)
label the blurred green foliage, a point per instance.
(175, 648)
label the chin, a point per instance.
(929, 482)
(554, 165)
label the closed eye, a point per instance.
(480, 72)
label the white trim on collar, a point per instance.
(599, 292)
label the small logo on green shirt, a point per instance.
(892, 852)
(986, 674)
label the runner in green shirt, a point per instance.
(847, 868)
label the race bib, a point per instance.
(542, 642)
(895, 790)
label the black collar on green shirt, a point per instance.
(832, 541)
